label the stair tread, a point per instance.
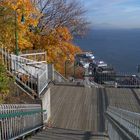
(68, 134)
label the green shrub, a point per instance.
(4, 83)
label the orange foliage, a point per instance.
(59, 47)
(31, 15)
(58, 43)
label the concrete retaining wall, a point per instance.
(46, 106)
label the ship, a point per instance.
(84, 59)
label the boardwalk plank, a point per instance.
(122, 98)
(75, 108)
(67, 134)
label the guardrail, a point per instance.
(129, 120)
(42, 79)
(16, 121)
(58, 77)
(116, 79)
(55, 75)
(31, 75)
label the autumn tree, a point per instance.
(60, 20)
(10, 11)
(49, 25)
(58, 45)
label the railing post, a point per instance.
(0, 131)
(38, 84)
(53, 72)
(46, 70)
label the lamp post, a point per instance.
(75, 63)
(66, 66)
(16, 32)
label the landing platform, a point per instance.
(66, 134)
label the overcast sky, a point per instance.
(113, 13)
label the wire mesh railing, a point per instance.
(18, 120)
(58, 77)
(129, 120)
(42, 79)
(55, 75)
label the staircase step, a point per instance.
(68, 134)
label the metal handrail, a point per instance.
(33, 78)
(17, 120)
(59, 77)
(129, 120)
(128, 113)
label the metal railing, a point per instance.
(35, 55)
(116, 79)
(129, 120)
(58, 77)
(55, 75)
(19, 120)
(42, 79)
(30, 75)
(51, 72)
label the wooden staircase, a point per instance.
(31, 75)
(68, 134)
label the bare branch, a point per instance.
(68, 13)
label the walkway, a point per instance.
(74, 107)
(78, 112)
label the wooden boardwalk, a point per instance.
(74, 108)
(78, 113)
(123, 98)
(82, 108)
(137, 92)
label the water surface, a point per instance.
(120, 48)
